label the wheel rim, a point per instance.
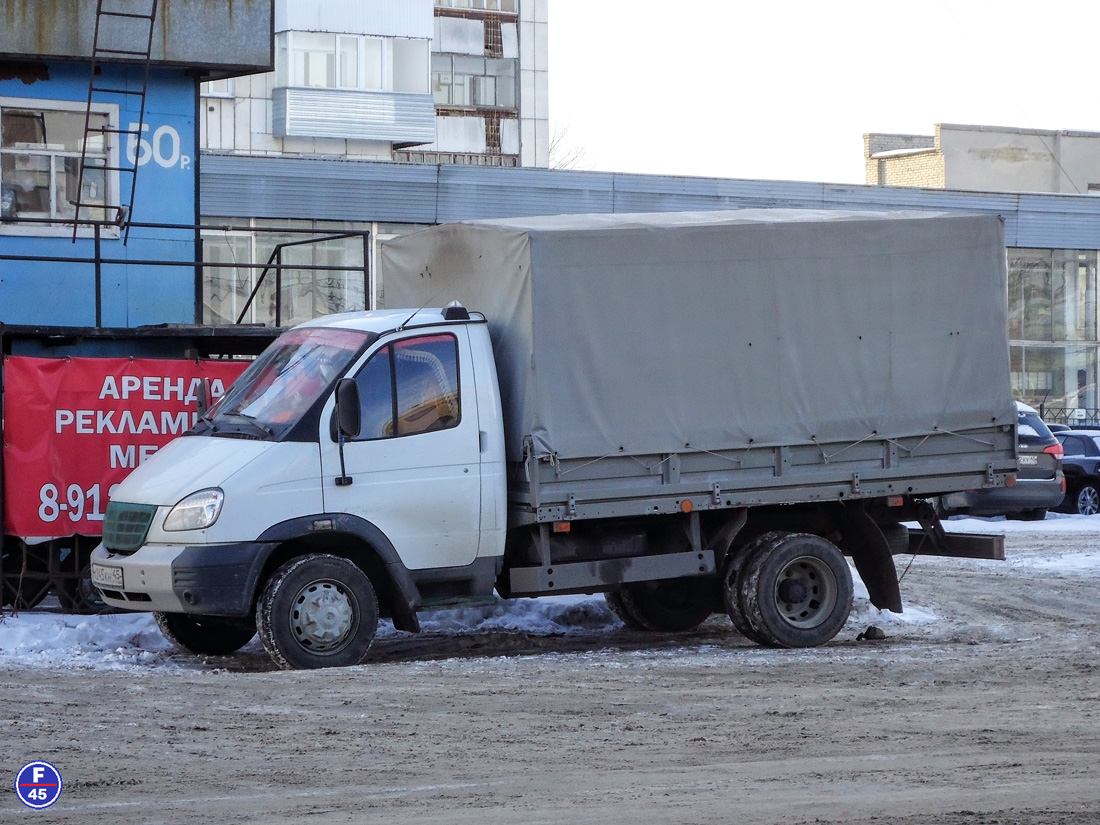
(805, 592)
(1088, 501)
(323, 616)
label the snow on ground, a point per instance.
(124, 641)
(1055, 524)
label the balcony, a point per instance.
(400, 118)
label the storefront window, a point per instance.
(1056, 379)
(1029, 295)
(1051, 295)
(1074, 295)
(1052, 325)
(318, 278)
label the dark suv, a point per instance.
(1040, 484)
(1082, 468)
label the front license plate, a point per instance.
(107, 576)
(1022, 460)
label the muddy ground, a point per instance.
(987, 715)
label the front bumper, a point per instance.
(207, 580)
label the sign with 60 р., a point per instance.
(163, 147)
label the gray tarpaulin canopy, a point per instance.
(647, 333)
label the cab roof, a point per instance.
(387, 320)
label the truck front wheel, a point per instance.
(671, 605)
(317, 611)
(795, 590)
(205, 635)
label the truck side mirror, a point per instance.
(347, 407)
(202, 400)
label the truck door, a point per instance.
(415, 467)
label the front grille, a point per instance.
(125, 526)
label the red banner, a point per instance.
(74, 427)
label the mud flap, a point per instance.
(871, 555)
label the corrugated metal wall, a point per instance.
(246, 187)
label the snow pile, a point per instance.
(109, 642)
(864, 613)
(540, 617)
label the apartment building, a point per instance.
(450, 81)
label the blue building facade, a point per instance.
(43, 123)
(125, 154)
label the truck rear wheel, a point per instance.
(730, 590)
(614, 599)
(670, 605)
(317, 611)
(795, 590)
(205, 635)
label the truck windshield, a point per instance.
(285, 381)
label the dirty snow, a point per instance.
(46, 638)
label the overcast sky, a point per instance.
(785, 89)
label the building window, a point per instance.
(461, 80)
(479, 5)
(313, 58)
(40, 150)
(218, 88)
(410, 59)
(1052, 295)
(339, 61)
(1052, 324)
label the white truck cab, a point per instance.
(267, 507)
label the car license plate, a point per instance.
(1022, 460)
(107, 576)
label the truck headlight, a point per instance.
(197, 511)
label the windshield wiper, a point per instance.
(250, 419)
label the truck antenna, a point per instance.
(422, 307)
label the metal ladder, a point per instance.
(122, 27)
